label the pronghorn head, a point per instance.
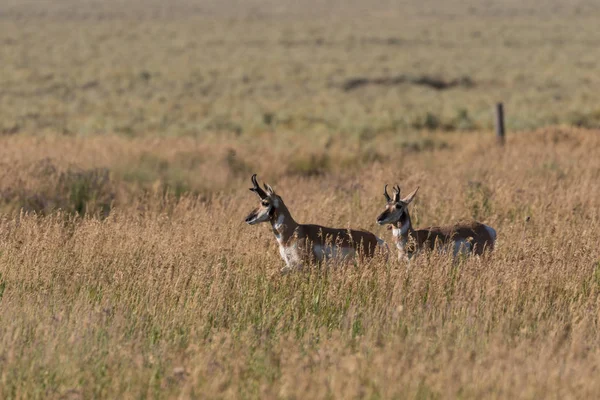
(396, 208)
(269, 201)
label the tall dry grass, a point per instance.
(174, 297)
(126, 270)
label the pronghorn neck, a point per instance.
(403, 227)
(283, 223)
(402, 230)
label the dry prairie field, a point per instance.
(128, 135)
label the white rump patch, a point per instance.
(461, 247)
(491, 232)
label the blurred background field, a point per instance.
(323, 85)
(187, 67)
(129, 131)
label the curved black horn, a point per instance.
(385, 193)
(256, 189)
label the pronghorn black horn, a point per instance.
(256, 189)
(385, 193)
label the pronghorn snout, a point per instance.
(251, 217)
(382, 218)
(257, 216)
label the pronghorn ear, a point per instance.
(411, 196)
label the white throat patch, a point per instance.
(279, 223)
(403, 231)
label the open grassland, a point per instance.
(359, 67)
(170, 296)
(128, 134)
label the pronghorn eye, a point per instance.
(265, 203)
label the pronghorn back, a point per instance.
(359, 240)
(476, 236)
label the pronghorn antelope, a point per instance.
(465, 238)
(300, 244)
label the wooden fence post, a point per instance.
(500, 124)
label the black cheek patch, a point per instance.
(403, 217)
(251, 216)
(272, 211)
(383, 216)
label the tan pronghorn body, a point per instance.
(301, 244)
(464, 238)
